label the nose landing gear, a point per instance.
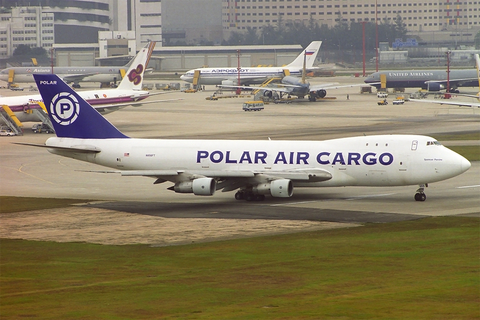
(420, 195)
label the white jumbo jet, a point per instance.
(254, 168)
(129, 92)
(228, 75)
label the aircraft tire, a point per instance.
(259, 197)
(250, 196)
(420, 197)
(240, 195)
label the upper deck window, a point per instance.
(433, 143)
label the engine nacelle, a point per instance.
(268, 93)
(435, 86)
(199, 187)
(282, 188)
(321, 93)
(227, 83)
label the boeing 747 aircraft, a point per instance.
(254, 168)
(218, 76)
(105, 100)
(431, 80)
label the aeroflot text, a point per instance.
(323, 158)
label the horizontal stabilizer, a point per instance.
(77, 149)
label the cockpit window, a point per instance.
(433, 143)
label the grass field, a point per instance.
(19, 204)
(472, 153)
(423, 269)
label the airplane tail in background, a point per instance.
(72, 117)
(133, 79)
(310, 53)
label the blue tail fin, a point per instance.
(72, 117)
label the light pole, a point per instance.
(363, 49)
(239, 90)
(447, 94)
(376, 38)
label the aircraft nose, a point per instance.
(465, 164)
(182, 77)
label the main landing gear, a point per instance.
(249, 196)
(420, 196)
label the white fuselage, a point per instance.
(94, 74)
(393, 160)
(215, 76)
(22, 106)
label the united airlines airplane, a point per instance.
(105, 100)
(218, 76)
(254, 168)
(456, 102)
(431, 80)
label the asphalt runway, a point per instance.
(33, 172)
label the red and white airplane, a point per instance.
(129, 92)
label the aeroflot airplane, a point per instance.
(229, 76)
(254, 168)
(105, 100)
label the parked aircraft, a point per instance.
(294, 86)
(217, 76)
(105, 100)
(456, 102)
(256, 168)
(431, 80)
(73, 75)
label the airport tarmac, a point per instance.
(124, 210)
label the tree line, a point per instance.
(342, 36)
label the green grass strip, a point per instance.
(472, 153)
(19, 204)
(423, 269)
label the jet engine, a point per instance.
(435, 86)
(199, 187)
(268, 93)
(228, 83)
(282, 188)
(321, 93)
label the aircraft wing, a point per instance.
(229, 180)
(476, 96)
(280, 88)
(108, 108)
(449, 102)
(76, 77)
(333, 86)
(458, 82)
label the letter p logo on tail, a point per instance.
(72, 117)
